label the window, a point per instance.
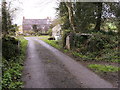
(34, 27)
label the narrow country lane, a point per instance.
(47, 67)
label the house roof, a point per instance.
(36, 21)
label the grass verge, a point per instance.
(53, 43)
(103, 68)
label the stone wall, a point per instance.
(74, 40)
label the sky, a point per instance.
(34, 9)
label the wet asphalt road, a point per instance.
(47, 67)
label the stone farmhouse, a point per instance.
(36, 25)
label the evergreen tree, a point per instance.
(4, 19)
(7, 26)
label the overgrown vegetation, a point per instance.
(97, 47)
(8, 42)
(13, 49)
(12, 66)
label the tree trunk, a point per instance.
(71, 17)
(99, 14)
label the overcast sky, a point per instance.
(34, 9)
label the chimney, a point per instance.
(48, 18)
(23, 17)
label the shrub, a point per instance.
(49, 32)
(97, 47)
(97, 43)
(11, 75)
(9, 47)
(80, 39)
(12, 68)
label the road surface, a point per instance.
(47, 67)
